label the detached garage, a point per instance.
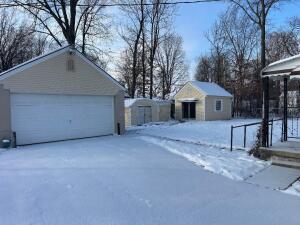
(139, 111)
(59, 96)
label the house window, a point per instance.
(218, 105)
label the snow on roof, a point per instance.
(210, 89)
(130, 101)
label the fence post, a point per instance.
(271, 132)
(231, 138)
(245, 135)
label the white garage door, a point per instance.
(44, 118)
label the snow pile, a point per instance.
(237, 165)
(210, 133)
(294, 189)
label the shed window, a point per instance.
(218, 105)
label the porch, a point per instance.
(287, 151)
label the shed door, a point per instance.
(43, 118)
(144, 114)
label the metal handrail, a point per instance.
(245, 131)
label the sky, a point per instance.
(192, 21)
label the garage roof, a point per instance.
(210, 89)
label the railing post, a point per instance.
(231, 138)
(271, 138)
(245, 135)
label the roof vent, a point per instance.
(70, 65)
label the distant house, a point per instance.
(139, 111)
(58, 96)
(202, 101)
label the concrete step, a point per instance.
(285, 162)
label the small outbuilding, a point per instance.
(139, 111)
(202, 101)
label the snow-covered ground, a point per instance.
(294, 189)
(128, 180)
(211, 133)
(237, 165)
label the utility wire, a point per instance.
(7, 5)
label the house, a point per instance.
(139, 111)
(59, 96)
(202, 101)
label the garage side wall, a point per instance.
(119, 112)
(127, 116)
(5, 126)
(211, 114)
(188, 91)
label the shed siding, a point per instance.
(189, 91)
(134, 110)
(211, 114)
(5, 126)
(52, 77)
(164, 112)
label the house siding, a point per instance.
(189, 91)
(52, 77)
(211, 114)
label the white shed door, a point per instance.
(43, 118)
(145, 115)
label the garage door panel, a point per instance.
(43, 118)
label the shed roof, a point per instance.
(210, 89)
(130, 101)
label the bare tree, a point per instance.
(204, 69)
(133, 36)
(159, 18)
(282, 44)
(18, 42)
(172, 69)
(258, 12)
(73, 21)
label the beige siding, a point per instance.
(211, 114)
(127, 116)
(164, 112)
(134, 110)
(189, 91)
(5, 127)
(119, 112)
(52, 77)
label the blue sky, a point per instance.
(192, 21)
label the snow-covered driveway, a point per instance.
(127, 180)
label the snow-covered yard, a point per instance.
(130, 179)
(211, 133)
